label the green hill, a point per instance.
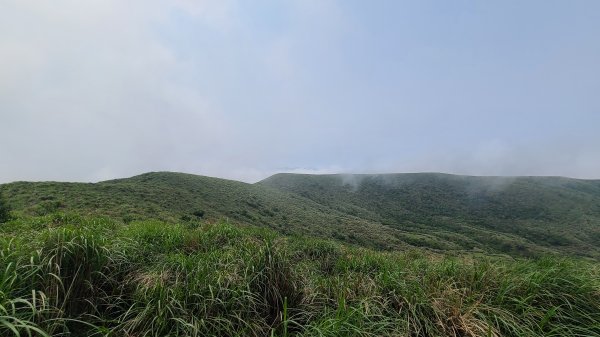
(177, 197)
(510, 214)
(447, 213)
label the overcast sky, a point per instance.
(99, 89)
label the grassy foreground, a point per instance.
(64, 275)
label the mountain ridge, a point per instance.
(309, 174)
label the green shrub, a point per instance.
(4, 210)
(199, 214)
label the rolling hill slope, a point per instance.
(445, 210)
(175, 197)
(515, 216)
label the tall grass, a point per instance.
(74, 276)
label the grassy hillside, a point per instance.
(443, 213)
(176, 197)
(446, 211)
(80, 276)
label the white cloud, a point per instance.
(218, 14)
(87, 90)
(109, 88)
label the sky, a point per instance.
(100, 89)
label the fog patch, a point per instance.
(493, 184)
(352, 180)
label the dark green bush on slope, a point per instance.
(4, 210)
(198, 214)
(66, 275)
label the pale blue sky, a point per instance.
(243, 89)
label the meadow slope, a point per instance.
(523, 216)
(508, 214)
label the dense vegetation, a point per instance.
(524, 216)
(70, 275)
(517, 215)
(4, 209)
(176, 197)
